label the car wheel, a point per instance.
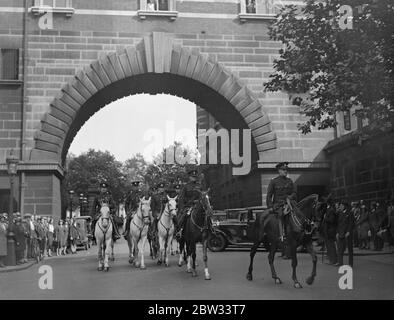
(217, 243)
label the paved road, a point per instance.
(75, 277)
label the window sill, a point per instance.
(11, 82)
(244, 17)
(62, 10)
(169, 14)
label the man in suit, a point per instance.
(330, 226)
(345, 232)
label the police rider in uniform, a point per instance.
(105, 197)
(131, 204)
(188, 196)
(280, 190)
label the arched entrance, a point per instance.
(155, 65)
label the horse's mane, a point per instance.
(306, 201)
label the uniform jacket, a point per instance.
(330, 222)
(279, 189)
(105, 197)
(20, 237)
(158, 203)
(3, 239)
(345, 223)
(132, 201)
(189, 193)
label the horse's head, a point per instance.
(171, 205)
(145, 209)
(205, 203)
(104, 215)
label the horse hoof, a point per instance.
(278, 281)
(106, 269)
(249, 277)
(309, 280)
(142, 267)
(179, 264)
(297, 285)
(137, 264)
(207, 277)
(167, 264)
(189, 270)
(131, 261)
(194, 273)
(158, 262)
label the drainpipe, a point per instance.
(24, 88)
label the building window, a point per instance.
(9, 64)
(56, 6)
(164, 8)
(346, 120)
(257, 9)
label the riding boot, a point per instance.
(115, 233)
(127, 228)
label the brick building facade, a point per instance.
(213, 53)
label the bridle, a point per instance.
(207, 212)
(305, 220)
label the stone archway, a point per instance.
(155, 65)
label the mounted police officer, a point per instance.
(189, 194)
(105, 197)
(280, 190)
(131, 204)
(159, 201)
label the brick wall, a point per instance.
(363, 171)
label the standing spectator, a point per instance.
(375, 220)
(51, 231)
(356, 216)
(390, 217)
(40, 236)
(330, 229)
(3, 241)
(56, 239)
(74, 236)
(26, 226)
(363, 227)
(20, 240)
(63, 238)
(345, 232)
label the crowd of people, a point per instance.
(37, 237)
(356, 224)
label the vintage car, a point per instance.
(85, 237)
(236, 229)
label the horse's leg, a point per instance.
(253, 251)
(312, 252)
(107, 251)
(100, 257)
(188, 258)
(271, 256)
(205, 257)
(193, 248)
(160, 260)
(112, 250)
(143, 242)
(294, 262)
(130, 245)
(181, 258)
(168, 249)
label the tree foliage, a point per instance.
(330, 68)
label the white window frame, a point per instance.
(171, 13)
(263, 11)
(40, 8)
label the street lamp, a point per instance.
(12, 168)
(81, 198)
(71, 193)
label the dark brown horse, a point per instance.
(299, 227)
(197, 229)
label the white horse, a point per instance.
(165, 229)
(139, 225)
(103, 234)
